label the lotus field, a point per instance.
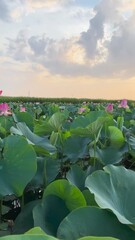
(67, 171)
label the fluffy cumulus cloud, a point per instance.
(127, 5)
(121, 48)
(36, 4)
(51, 54)
(11, 10)
(105, 12)
(4, 11)
(117, 52)
(105, 49)
(18, 48)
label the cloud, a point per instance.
(66, 49)
(4, 11)
(117, 52)
(105, 12)
(62, 57)
(127, 5)
(105, 49)
(38, 44)
(121, 51)
(11, 10)
(81, 12)
(14, 10)
(18, 48)
(51, 5)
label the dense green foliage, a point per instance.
(67, 170)
(53, 100)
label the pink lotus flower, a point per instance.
(109, 108)
(22, 109)
(4, 109)
(123, 104)
(1, 92)
(81, 110)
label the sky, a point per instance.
(68, 48)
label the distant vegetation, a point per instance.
(56, 100)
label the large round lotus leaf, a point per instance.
(116, 136)
(33, 234)
(93, 221)
(5, 124)
(84, 121)
(47, 170)
(90, 198)
(24, 220)
(17, 166)
(56, 120)
(60, 197)
(114, 189)
(32, 138)
(75, 148)
(77, 176)
(49, 214)
(108, 155)
(97, 238)
(25, 117)
(70, 194)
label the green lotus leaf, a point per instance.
(90, 198)
(49, 214)
(80, 132)
(114, 189)
(47, 170)
(35, 231)
(97, 238)
(17, 165)
(75, 148)
(132, 142)
(92, 130)
(116, 137)
(33, 234)
(120, 122)
(32, 138)
(24, 117)
(43, 129)
(39, 232)
(108, 155)
(70, 194)
(24, 220)
(52, 125)
(93, 221)
(60, 198)
(84, 121)
(77, 176)
(56, 120)
(5, 124)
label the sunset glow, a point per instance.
(68, 48)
